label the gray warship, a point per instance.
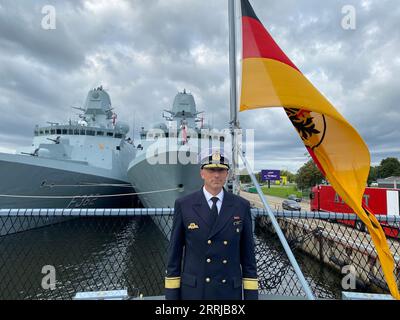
(166, 165)
(80, 164)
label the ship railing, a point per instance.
(133, 212)
(56, 253)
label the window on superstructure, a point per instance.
(118, 135)
(53, 131)
(100, 133)
(70, 131)
(58, 131)
(76, 132)
(36, 133)
(82, 132)
(90, 132)
(110, 134)
(64, 131)
(46, 131)
(41, 132)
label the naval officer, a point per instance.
(211, 251)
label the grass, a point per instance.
(278, 191)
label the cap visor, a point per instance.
(215, 165)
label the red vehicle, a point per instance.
(381, 201)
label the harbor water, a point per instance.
(108, 253)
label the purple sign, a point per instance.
(270, 175)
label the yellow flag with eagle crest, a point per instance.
(270, 79)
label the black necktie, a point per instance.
(214, 210)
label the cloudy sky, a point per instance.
(145, 51)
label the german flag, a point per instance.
(270, 79)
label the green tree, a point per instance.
(389, 167)
(290, 176)
(245, 179)
(258, 177)
(373, 174)
(308, 176)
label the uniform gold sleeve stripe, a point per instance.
(250, 284)
(173, 283)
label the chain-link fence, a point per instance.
(53, 254)
(334, 250)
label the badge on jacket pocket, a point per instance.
(193, 226)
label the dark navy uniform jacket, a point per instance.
(211, 262)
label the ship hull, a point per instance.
(32, 182)
(159, 185)
(152, 180)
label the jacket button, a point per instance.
(223, 281)
(224, 261)
(209, 241)
(208, 260)
(225, 242)
(208, 280)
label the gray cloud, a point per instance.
(145, 51)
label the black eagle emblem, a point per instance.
(304, 124)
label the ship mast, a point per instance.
(234, 124)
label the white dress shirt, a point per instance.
(220, 197)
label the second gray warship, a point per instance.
(166, 165)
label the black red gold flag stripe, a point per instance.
(271, 79)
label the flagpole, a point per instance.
(233, 94)
(280, 234)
